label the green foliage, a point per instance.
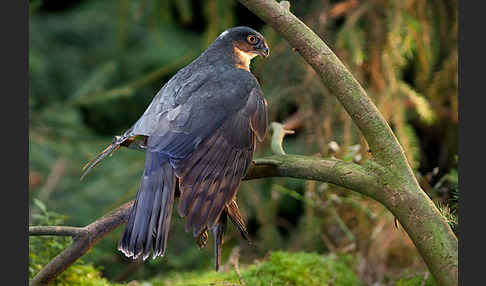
(416, 281)
(449, 183)
(449, 215)
(302, 269)
(455, 191)
(46, 217)
(43, 248)
(82, 275)
(281, 268)
(194, 278)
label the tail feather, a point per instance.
(165, 216)
(148, 225)
(103, 154)
(127, 140)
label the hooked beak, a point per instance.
(263, 49)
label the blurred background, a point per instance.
(94, 66)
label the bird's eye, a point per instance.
(252, 39)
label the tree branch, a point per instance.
(278, 134)
(83, 239)
(55, 230)
(402, 194)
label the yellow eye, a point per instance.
(251, 39)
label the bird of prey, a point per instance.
(199, 136)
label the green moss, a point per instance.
(82, 275)
(196, 278)
(43, 248)
(416, 281)
(281, 268)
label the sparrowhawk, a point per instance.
(199, 135)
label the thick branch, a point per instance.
(345, 174)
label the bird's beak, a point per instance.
(263, 50)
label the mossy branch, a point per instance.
(398, 188)
(56, 230)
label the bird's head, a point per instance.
(246, 43)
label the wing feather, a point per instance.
(258, 121)
(201, 172)
(214, 190)
(210, 176)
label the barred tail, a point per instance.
(149, 220)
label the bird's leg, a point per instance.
(137, 142)
(218, 238)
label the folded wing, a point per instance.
(211, 174)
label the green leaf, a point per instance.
(40, 205)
